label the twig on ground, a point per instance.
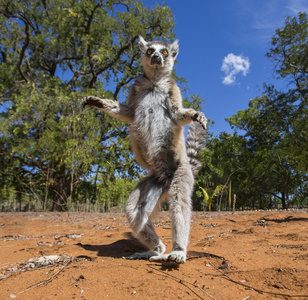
(56, 236)
(182, 281)
(48, 279)
(202, 254)
(256, 289)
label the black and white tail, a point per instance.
(195, 143)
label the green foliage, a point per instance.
(289, 50)
(53, 53)
(221, 163)
(269, 161)
(54, 155)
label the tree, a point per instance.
(221, 163)
(276, 123)
(51, 54)
(268, 162)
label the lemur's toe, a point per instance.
(178, 257)
(144, 255)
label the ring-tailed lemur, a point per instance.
(156, 116)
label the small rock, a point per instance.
(80, 277)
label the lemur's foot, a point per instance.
(92, 101)
(144, 255)
(175, 256)
(200, 117)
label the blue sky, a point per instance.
(223, 44)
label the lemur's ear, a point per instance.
(174, 47)
(142, 44)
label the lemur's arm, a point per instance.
(184, 116)
(116, 109)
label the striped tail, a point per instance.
(195, 143)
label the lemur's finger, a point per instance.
(92, 101)
(84, 102)
(203, 122)
(199, 117)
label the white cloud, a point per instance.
(232, 65)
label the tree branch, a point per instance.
(23, 50)
(116, 57)
(126, 79)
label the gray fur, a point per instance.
(156, 116)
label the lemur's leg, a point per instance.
(140, 205)
(116, 109)
(180, 205)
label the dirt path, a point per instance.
(246, 255)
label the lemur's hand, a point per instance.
(200, 117)
(92, 101)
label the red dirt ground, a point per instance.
(242, 255)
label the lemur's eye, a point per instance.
(149, 51)
(164, 52)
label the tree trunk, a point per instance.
(283, 200)
(61, 187)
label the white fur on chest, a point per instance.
(152, 126)
(152, 117)
(162, 86)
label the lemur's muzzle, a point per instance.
(156, 59)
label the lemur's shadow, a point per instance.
(121, 248)
(124, 248)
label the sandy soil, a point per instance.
(246, 255)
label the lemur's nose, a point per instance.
(156, 59)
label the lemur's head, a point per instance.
(158, 55)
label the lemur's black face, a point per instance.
(157, 55)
